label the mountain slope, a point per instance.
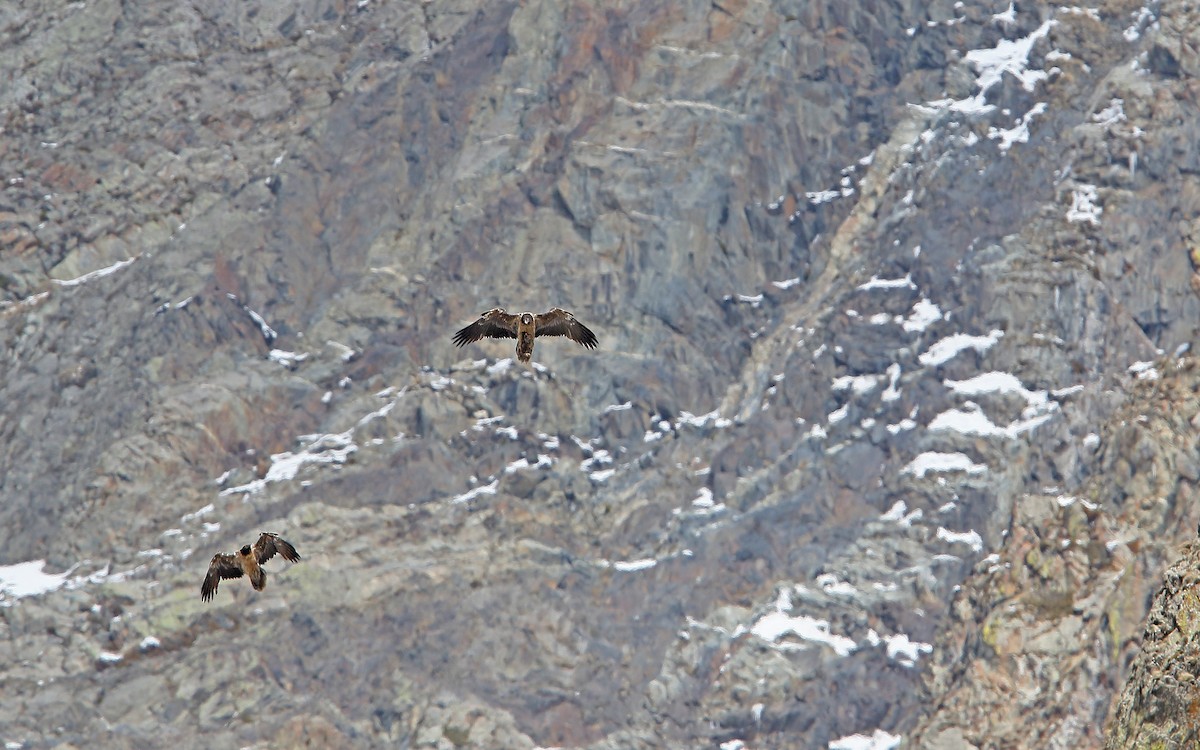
(887, 434)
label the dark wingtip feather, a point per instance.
(463, 336)
(288, 551)
(586, 337)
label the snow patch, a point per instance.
(969, 538)
(686, 417)
(878, 283)
(877, 740)
(905, 651)
(924, 314)
(830, 584)
(997, 382)
(1111, 115)
(500, 366)
(466, 497)
(932, 461)
(944, 350)
(896, 512)
(188, 517)
(1083, 206)
(268, 333)
(1019, 133)
(891, 393)
(975, 422)
(96, 274)
(776, 624)
(28, 579)
(1009, 56)
(857, 384)
(287, 359)
(321, 449)
(1142, 19)
(1143, 371)
(523, 463)
(899, 513)
(630, 566)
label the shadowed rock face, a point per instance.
(861, 450)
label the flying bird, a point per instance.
(498, 324)
(248, 560)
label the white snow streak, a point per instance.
(975, 422)
(932, 461)
(946, 349)
(487, 489)
(878, 283)
(997, 382)
(629, 566)
(96, 274)
(714, 416)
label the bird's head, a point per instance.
(526, 319)
(245, 549)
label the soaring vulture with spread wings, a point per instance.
(248, 560)
(498, 324)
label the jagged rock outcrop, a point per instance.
(1050, 623)
(888, 434)
(1157, 707)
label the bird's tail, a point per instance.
(258, 579)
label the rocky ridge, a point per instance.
(861, 453)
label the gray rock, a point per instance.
(777, 507)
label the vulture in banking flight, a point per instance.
(248, 560)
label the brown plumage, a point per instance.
(498, 324)
(246, 561)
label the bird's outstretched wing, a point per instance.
(222, 566)
(494, 324)
(268, 544)
(559, 322)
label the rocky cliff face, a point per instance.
(1157, 707)
(889, 436)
